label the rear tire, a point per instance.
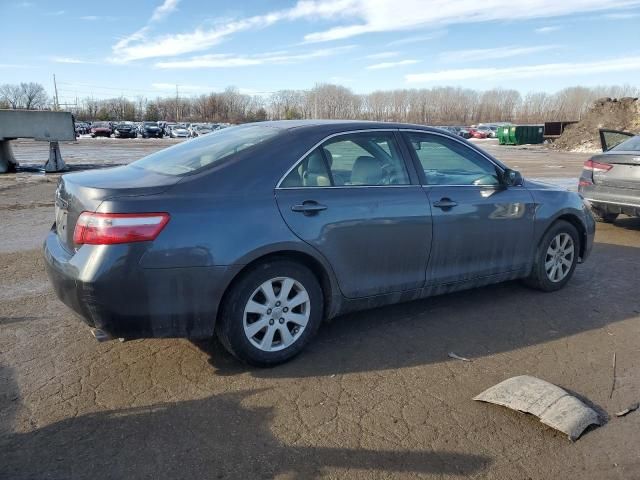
(602, 216)
(556, 258)
(271, 313)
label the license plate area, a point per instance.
(61, 222)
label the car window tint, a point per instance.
(365, 159)
(629, 145)
(310, 172)
(205, 150)
(448, 162)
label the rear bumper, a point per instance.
(108, 289)
(612, 200)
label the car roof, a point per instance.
(341, 125)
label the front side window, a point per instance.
(448, 162)
(358, 159)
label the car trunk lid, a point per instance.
(85, 191)
(624, 172)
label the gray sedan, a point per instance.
(257, 233)
(611, 180)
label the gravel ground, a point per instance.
(375, 395)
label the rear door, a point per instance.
(480, 227)
(352, 199)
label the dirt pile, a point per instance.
(615, 114)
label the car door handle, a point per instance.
(309, 207)
(445, 203)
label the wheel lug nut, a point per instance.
(281, 320)
(268, 311)
(285, 309)
(277, 304)
(271, 322)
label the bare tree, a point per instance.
(427, 106)
(12, 95)
(34, 96)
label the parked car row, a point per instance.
(127, 129)
(482, 130)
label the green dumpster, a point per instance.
(521, 134)
(503, 135)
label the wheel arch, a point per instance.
(574, 220)
(320, 270)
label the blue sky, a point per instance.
(147, 47)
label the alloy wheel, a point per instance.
(560, 257)
(276, 314)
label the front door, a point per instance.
(351, 199)
(480, 226)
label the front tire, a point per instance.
(271, 313)
(556, 258)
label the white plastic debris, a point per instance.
(458, 357)
(554, 406)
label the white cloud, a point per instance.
(365, 16)
(528, 71)
(225, 60)
(477, 54)
(163, 10)
(543, 30)
(124, 52)
(137, 46)
(67, 60)
(57, 13)
(622, 15)
(418, 38)
(380, 66)
(374, 56)
(392, 15)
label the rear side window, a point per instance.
(448, 162)
(361, 159)
(207, 150)
(630, 145)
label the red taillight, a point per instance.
(584, 183)
(109, 228)
(592, 166)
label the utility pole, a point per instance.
(55, 88)
(177, 100)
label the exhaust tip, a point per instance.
(100, 335)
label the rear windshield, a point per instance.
(204, 151)
(631, 145)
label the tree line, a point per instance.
(432, 106)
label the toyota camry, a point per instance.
(257, 233)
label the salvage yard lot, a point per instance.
(374, 396)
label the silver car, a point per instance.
(610, 181)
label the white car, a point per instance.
(178, 132)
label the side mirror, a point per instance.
(512, 178)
